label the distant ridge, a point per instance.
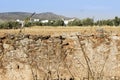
(8, 16)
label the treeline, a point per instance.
(91, 22)
(49, 23)
(109, 22)
(76, 22)
(16, 25)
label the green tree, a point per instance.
(10, 25)
(58, 23)
(116, 21)
(13, 25)
(75, 23)
(109, 22)
(28, 24)
(88, 22)
(36, 24)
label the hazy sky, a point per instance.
(71, 8)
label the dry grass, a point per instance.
(46, 30)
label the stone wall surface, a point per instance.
(64, 57)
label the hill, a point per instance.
(8, 16)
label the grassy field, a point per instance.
(47, 30)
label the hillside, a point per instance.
(7, 16)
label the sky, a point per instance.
(98, 9)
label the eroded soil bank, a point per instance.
(64, 57)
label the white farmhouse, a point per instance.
(67, 21)
(44, 21)
(36, 20)
(21, 22)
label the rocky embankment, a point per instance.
(65, 57)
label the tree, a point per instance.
(75, 23)
(28, 24)
(58, 23)
(116, 21)
(109, 22)
(88, 22)
(37, 24)
(13, 25)
(10, 25)
(50, 23)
